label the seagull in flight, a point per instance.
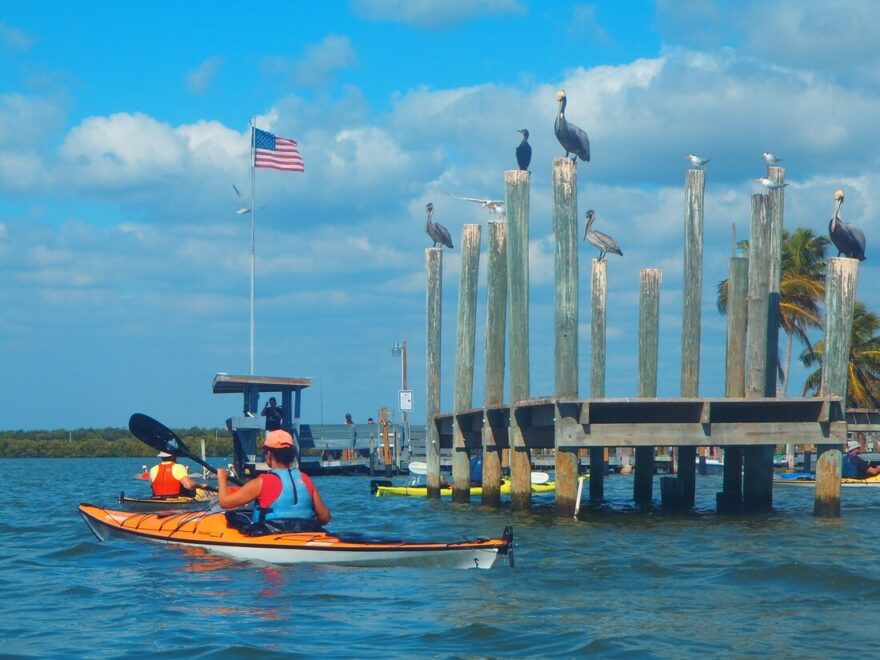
(768, 184)
(770, 159)
(493, 205)
(696, 161)
(242, 208)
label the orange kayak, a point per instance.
(211, 531)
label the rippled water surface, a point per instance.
(616, 582)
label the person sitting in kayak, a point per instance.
(171, 479)
(285, 495)
(854, 466)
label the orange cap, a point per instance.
(277, 439)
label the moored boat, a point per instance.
(212, 532)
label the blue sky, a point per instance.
(124, 269)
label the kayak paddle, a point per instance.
(161, 438)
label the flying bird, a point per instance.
(242, 209)
(493, 205)
(849, 240)
(770, 159)
(437, 232)
(597, 239)
(573, 139)
(524, 150)
(768, 184)
(696, 161)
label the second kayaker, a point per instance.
(285, 496)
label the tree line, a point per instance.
(104, 442)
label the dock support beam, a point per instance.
(695, 185)
(649, 340)
(517, 204)
(598, 294)
(757, 470)
(840, 292)
(729, 500)
(434, 318)
(496, 317)
(466, 330)
(565, 229)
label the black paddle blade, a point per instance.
(157, 435)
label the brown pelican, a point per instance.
(770, 159)
(437, 232)
(524, 150)
(768, 184)
(849, 240)
(596, 238)
(573, 139)
(493, 205)
(696, 161)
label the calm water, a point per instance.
(613, 583)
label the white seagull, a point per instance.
(770, 159)
(768, 184)
(697, 161)
(494, 205)
(242, 209)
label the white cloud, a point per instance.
(199, 79)
(322, 60)
(14, 38)
(433, 13)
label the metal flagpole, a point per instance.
(253, 244)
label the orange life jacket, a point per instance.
(165, 485)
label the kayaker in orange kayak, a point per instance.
(170, 479)
(285, 495)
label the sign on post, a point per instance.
(406, 400)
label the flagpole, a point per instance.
(253, 246)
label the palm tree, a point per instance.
(801, 291)
(863, 374)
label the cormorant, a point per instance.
(494, 205)
(573, 139)
(596, 238)
(437, 232)
(524, 150)
(849, 240)
(697, 161)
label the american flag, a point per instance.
(275, 152)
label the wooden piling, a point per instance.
(496, 317)
(730, 500)
(434, 318)
(565, 229)
(649, 342)
(840, 292)
(695, 185)
(517, 205)
(757, 472)
(598, 295)
(466, 329)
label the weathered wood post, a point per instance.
(840, 292)
(434, 318)
(517, 204)
(466, 331)
(496, 317)
(757, 473)
(649, 342)
(598, 294)
(695, 185)
(729, 500)
(565, 228)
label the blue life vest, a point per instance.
(295, 501)
(853, 467)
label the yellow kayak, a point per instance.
(384, 488)
(809, 479)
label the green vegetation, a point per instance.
(112, 442)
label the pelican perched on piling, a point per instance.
(573, 139)
(596, 238)
(849, 240)
(524, 150)
(437, 232)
